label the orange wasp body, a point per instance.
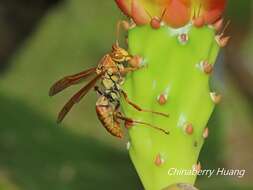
(105, 113)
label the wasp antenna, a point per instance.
(117, 33)
(125, 25)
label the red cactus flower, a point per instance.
(177, 12)
(213, 9)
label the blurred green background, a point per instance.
(41, 41)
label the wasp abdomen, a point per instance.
(105, 115)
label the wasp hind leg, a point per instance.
(130, 122)
(138, 108)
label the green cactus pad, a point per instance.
(172, 59)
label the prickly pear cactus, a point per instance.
(179, 50)
(174, 81)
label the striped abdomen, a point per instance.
(105, 115)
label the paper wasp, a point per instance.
(110, 71)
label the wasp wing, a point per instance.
(77, 97)
(70, 80)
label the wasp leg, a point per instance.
(130, 122)
(135, 63)
(128, 70)
(122, 24)
(138, 108)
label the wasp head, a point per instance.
(119, 54)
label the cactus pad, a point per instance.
(175, 80)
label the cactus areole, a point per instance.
(179, 56)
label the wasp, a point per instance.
(110, 70)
